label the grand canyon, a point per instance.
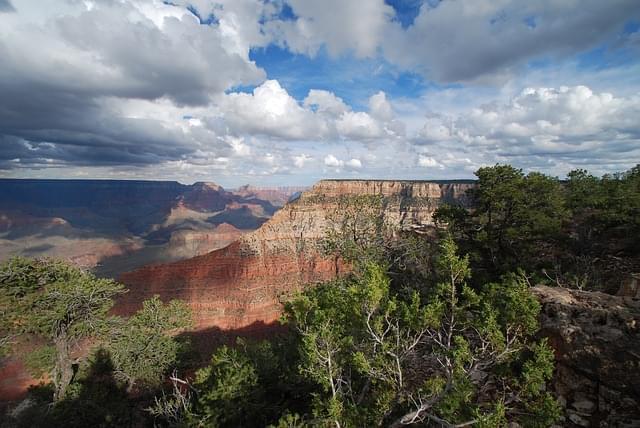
(303, 213)
(113, 226)
(238, 283)
(241, 285)
(249, 254)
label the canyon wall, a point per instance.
(243, 284)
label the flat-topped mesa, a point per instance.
(436, 189)
(242, 284)
(405, 201)
(406, 204)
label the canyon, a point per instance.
(242, 285)
(238, 288)
(113, 226)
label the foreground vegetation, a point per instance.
(57, 318)
(435, 329)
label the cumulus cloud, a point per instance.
(325, 102)
(546, 128)
(378, 123)
(429, 162)
(333, 162)
(454, 41)
(340, 25)
(380, 107)
(270, 110)
(358, 125)
(300, 160)
(354, 163)
(240, 148)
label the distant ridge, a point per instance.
(452, 181)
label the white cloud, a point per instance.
(300, 160)
(332, 161)
(435, 129)
(325, 102)
(380, 107)
(270, 110)
(239, 147)
(354, 163)
(341, 25)
(358, 126)
(429, 162)
(553, 129)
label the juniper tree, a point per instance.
(382, 358)
(60, 304)
(143, 348)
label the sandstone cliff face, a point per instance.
(596, 338)
(244, 283)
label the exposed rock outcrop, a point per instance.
(596, 339)
(243, 283)
(630, 286)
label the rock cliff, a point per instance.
(243, 284)
(596, 338)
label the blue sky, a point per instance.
(291, 91)
(354, 80)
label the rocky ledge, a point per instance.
(596, 338)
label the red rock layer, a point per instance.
(227, 288)
(14, 380)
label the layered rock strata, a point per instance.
(596, 339)
(243, 284)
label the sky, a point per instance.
(287, 92)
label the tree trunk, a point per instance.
(63, 370)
